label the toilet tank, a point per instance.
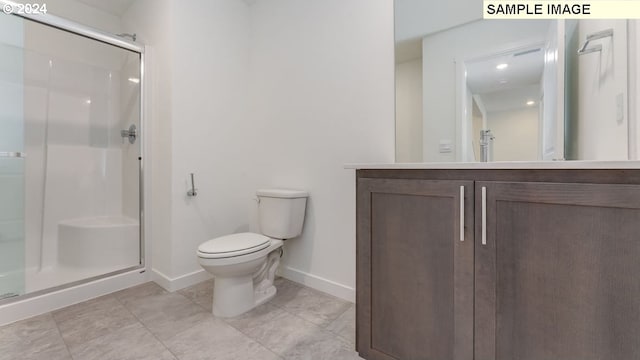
(281, 212)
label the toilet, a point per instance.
(244, 265)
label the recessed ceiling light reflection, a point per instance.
(88, 101)
(134, 80)
(502, 66)
(531, 102)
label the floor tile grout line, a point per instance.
(193, 300)
(93, 311)
(300, 318)
(325, 328)
(320, 326)
(296, 316)
(121, 301)
(66, 346)
(252, 339)
(341, 313)
(230, 325)
(146, 328)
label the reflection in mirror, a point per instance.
(503, 92)
(469, 89)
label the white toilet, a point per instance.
(244, 265)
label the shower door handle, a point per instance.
(12, 154)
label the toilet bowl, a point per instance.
(244, 265)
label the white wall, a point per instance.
(409, 111)
(416, 18)
(478, 122)
(552, 125)
(601, 134)
(243, 102)
(212, 134)
(322, 96)
(571, 81)
(197, 100)
(440, 51)
(516, 134)
(250, 110)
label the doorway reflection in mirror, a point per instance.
(458, 75)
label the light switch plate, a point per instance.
(445, 147)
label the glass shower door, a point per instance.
(70, 158)
(12, 159)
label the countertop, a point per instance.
(631, 164)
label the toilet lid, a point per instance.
(234, 245)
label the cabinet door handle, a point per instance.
(461, 213)
(484, 215)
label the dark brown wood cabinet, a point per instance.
(557, 277)
(547, 268)
(415, 284)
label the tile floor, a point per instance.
(147, 322)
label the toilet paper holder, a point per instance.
(193, 191)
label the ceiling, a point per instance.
(509, 88)
(418, 18)
(511, 99)
(114, 7)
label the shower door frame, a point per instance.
(109, 39)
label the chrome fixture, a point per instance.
(12, 154)
(486, 145)
(462, 213)
(484, 215)
(595, 36)
(132, 134)
(130, 36)
(193, 191)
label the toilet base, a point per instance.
(235, 295)
(265, 296)
(232, 296)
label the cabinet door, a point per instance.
(414, 269)
(558, 276)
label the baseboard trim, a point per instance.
(313, 281)
(33, 306)
(180, 282)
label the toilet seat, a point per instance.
(233, 245)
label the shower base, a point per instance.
(62, 275)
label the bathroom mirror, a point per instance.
(469, 89)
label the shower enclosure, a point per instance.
(70, 155)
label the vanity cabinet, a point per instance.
(557, 277)
(547, 267)
(415, 278)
